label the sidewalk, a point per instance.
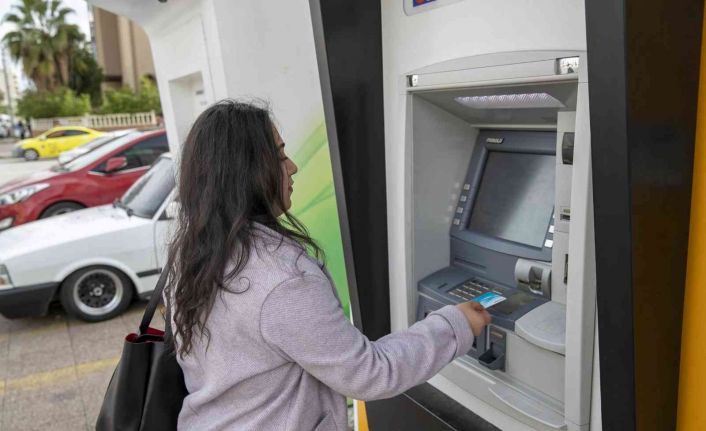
(54, 369)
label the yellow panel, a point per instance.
(692, 379)
(362, 416)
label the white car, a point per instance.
(69, 155)
(94, 261)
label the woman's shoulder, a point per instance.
(290, 259)
(281, 257)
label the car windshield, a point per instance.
(92, 156)
(148, 193)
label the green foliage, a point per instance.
(65, 102)
(149, 93)
(62, 102)
(85, 76)
(124, 100)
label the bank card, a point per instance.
(489, 299)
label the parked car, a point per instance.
(96, 178)
(66, 156)
(93, 261)
(52, 142)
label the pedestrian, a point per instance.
(259, 331)
(21, 130)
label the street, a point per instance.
(11, 168)
(54, 369)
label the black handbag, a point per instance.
(147, 388)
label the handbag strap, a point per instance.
(154, 300)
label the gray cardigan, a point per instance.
(282, 355)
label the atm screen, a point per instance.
(515, 199)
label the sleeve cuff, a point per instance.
(460, 326)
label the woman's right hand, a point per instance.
(476, 315)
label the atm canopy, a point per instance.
(526, 104)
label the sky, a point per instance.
(80, 17)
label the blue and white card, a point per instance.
(489, 299)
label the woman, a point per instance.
(260, 333)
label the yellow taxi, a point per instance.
(52, 142)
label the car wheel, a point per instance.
(96, 293)
(61, 208)
(30, 155)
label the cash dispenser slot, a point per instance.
(545, 327)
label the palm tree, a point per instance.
(43, 41)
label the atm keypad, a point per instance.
(472, 288)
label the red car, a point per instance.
(95, 178)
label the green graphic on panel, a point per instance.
(314, 203)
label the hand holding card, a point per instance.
(478, 318)
(489, 299)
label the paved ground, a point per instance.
(54, 369)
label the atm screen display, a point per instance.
(515, 199)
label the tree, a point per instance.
(43, 41)
(85, 76)
(124, 100)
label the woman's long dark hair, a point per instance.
(230, 176)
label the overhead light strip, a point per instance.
(510, 101)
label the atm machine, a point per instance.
(498, 151)
(488, 189)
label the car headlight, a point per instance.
(21, 194)
(6, 222)
(5, 280)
